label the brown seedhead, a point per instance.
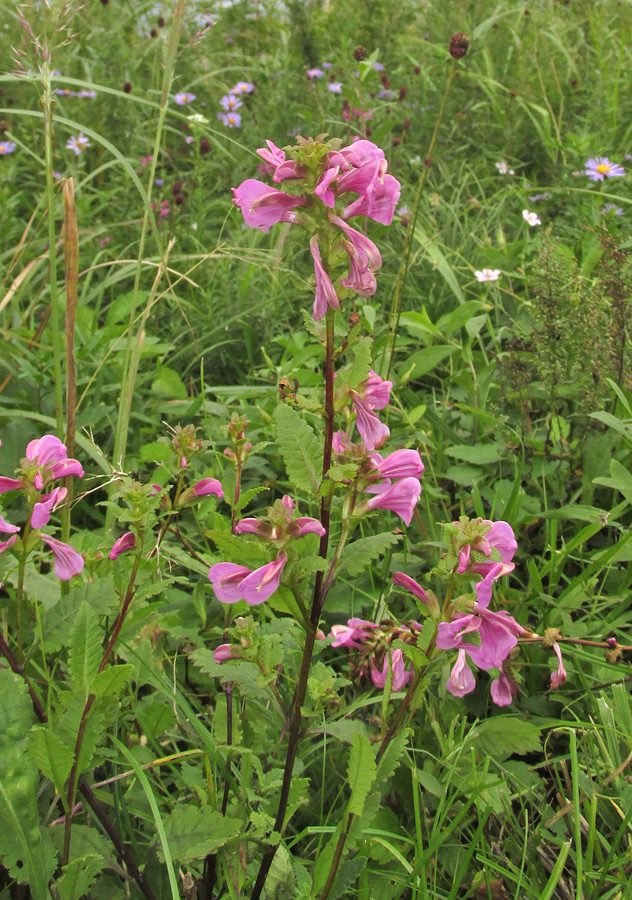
(402, 92)
(205, 146)
(127, 87)
(458, 45)
(359, 53)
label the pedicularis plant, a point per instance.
(84, 671)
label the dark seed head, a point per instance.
(359, 53)
(458, 45)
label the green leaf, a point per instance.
(343, 729)
(356, 557)
(361, 772)
(502, 736)
(438, 260)
(193, 832)
(620, 479)
(477, 454)
(458, 318)
(301, 450)
(238, 549)
(424, 361)
(111, 681)
(362, 362)
(168, 383)
(85, 651)
(78, 876)
(51, 755)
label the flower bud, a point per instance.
(127, 87)
(205, 147)
(458, 45)
(359, 53)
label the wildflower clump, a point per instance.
(328, 185)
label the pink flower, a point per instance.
(503, 690)
(360, 278)
(9, 484)
(224, 652)
(326, 296)
(376, 391)
(4, 545)
(48, 454)
(360, 153)
(558, 678)
(497, 633)
(400, 498)
(122, 544)
(307, 525)
(461, 680)
(67, 561)
(47, 503)
(263, 206)
(202, 488)
(232, 582)
(401, 675)
(373, 432)
(399, 464)
(501, 538)
(362, 246)
(379, 204)
(322, 189)
(353, 634)
(274, 156)
(405, 581)
(7, 527)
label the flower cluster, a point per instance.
(232, 582)
(46, 461)
(372, 651)
(231, 102)
(393, 481)
(334, 184)
(477, 548)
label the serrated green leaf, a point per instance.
(301, 450)
(85, 651)
(78, 876)
(238, 549)
(502, 736)
(51, 755)
(476, 454)
(111, 681)
(247, 496)
(193, 832)
(344, 729)
(251, 681)
(356, 557)
(362, 352)
(360, 773)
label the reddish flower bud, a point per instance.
(359, 53)
(205, 146)
(458, 45)
(406, 124)
(179, 199)
(177, 187)
(427, 161)
(402, 92)
(397, 141)
(417, 70)
(127, 87)
(154, 32)
(161, 22)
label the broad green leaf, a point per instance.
(193, 832)
(343, 729)
(476, 454)
(361, 772)
(301, 450)
(361, 553)
(86, 649)
(168, 383)
(111, 681)
(424, 361)
(458, 318)
(620, 479)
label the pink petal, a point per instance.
(9, 484)
(263, 206)
(372, 431)
(7, 527)
(43, 509)
(308, 525)
(502, 690)
(45, 450)
(326, 296)
(207, 486)
(226, 579)
(122, 544)
(66, 467)
(400, 498)
(323, 191)
(405, 581)
(259, 585)
(67, 561)
(461, 680)
(4, 545)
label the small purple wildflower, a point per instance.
(314, 73)
(600, 167)
(230, 102)
(6, 147)
(335, 87)
(183, 98)
(230, 119)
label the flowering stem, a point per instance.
(408, 240)
(20, 590)
(317, 605)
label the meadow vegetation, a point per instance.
(283, 476)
